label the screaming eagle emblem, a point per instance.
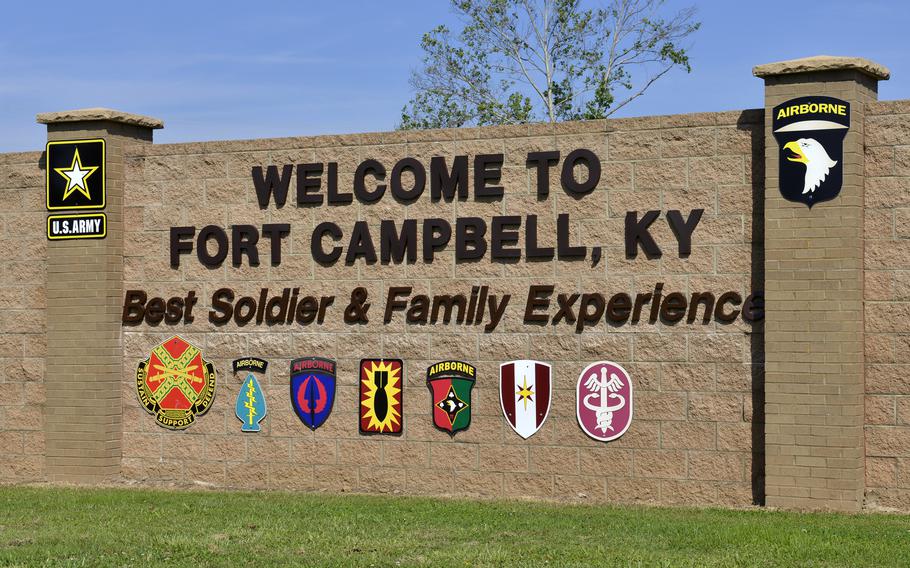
(381, 381)
(175, 384)
(810, 132)
(450, 384)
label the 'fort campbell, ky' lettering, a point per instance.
(504, 239)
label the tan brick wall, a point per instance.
(693, 435)
(22, 317)
(84, 289)
(814, 327)
(697, 436)
(887, 305)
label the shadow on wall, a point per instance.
(756, 127)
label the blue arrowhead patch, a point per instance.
(313, 389)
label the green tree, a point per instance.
(518, 61)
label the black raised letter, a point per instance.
(443, 184)
(470, 231)
(500, 237)
(275, 232)
(361, 244)
(243, 241)
(202, 251)
(360, 188)
(394, 246)
(487, 168)
(308, 187)
(436, 235)
(589, 159)
(179, 245)
(637, 232)
(420, 179)
(543, 161)
(322, 229)
(683, 229)
(272, 184)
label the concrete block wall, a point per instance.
(23, 319)
(813, 276)
(82, 416)
(887, 305)
(692, 439)
(814, 329)
(836, 405)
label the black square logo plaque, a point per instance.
(75, 174)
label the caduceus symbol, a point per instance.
(603, 389)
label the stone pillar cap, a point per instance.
(822, 63)
(104, 114)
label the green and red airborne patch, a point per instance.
(450, 384)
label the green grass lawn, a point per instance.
(121, 527)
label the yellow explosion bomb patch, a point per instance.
(381, 382)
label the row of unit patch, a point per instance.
(176, 384)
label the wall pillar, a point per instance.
(83, 414)
(814, 364)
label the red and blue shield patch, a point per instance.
(313, 389)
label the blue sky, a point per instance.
(230, 70)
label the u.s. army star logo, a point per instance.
(75, 174)
(810, 132)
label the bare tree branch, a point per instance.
(572, 60)
(640, 92)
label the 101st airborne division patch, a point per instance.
(175, 384)
(810, 132)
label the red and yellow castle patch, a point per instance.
(175, 384)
